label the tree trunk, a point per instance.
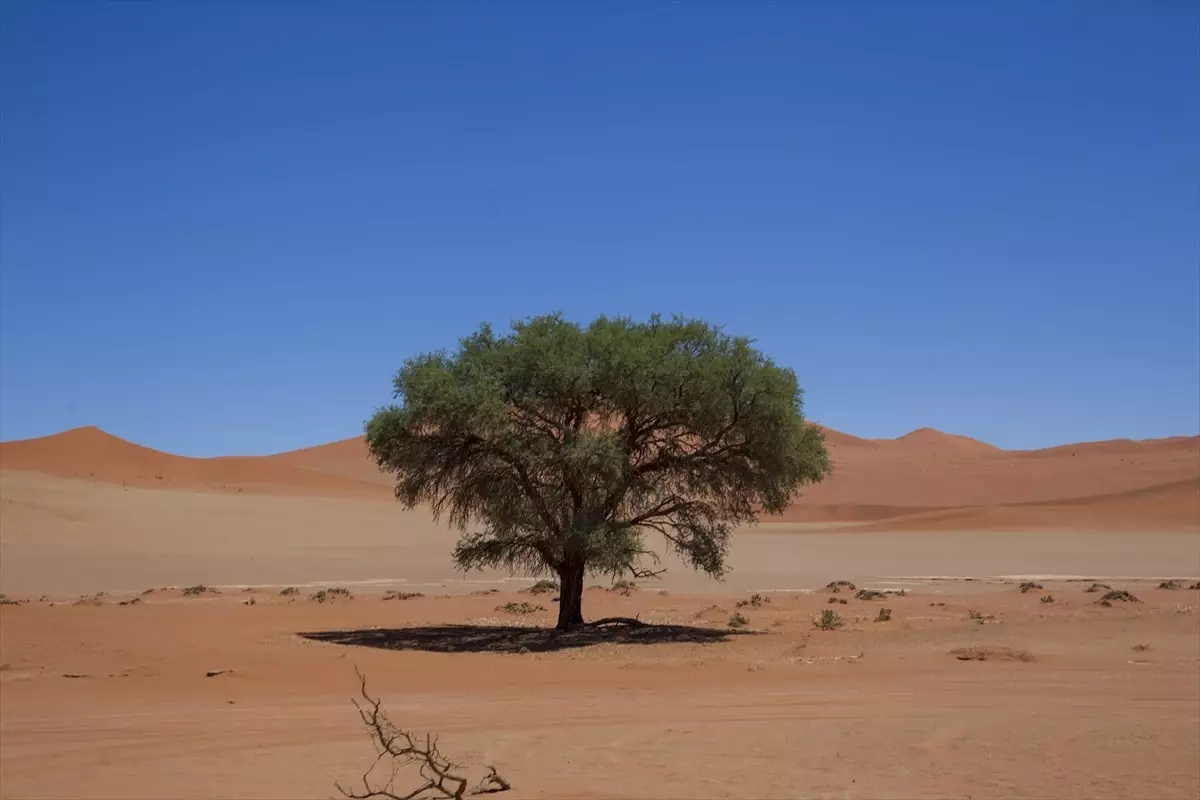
(570, 596)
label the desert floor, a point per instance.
(104, 700)
(104, 697)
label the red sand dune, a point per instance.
(922, 480)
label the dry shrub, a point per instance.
(329, 595)
(1029, 586)
(1117, 596)
(828, 621)
(738, 621)
(837, 586)
(542, 587)
(990, 653)
(884, 615)
(869, 594)
(438, 776)
(520, 608)
(1097, 587)
(401, 595)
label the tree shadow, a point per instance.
(517, 639)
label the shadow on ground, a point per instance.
(514, 639)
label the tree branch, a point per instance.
(399, 745)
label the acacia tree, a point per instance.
(555, 449)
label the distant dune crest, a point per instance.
(923, 480)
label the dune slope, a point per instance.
(923, 480)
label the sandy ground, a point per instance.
(69, 536)
(103, 697)
(101, 700)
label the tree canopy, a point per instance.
(556, 448)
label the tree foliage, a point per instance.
(557, 447)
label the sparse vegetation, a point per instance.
(837, 586)
(1195, 586)
(828, 621)
(199, 589)
(1117, 596)
(1140, 648)
(833, 600)
(884, 615)
(738, 621)
(558, 447)
(520, 608)
(250, 602)
(1029, 586)
(131, 602)
(756, 600)
(1097, 587)
(623, 587)
(980, 618)
(334, 593)
(288, 591)
(1171, 584)
(869, 594)
(401, 595)
(542, 587)
(439, 776)
(1048, 599)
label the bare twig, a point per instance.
(439, 775)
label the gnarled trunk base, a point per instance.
(570, 597)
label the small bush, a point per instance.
(1117, 596)
(828, 621)
(756, 601)
(1096, 587)
(1048, 599)
(990, 654)
(1029, 586)
(401, 595)
(623, 587)
(837, 586)
(884, 615)
(197, 590)
(1195, 586)
(148, 591)
(132, 602)
(250, 602)
(334, 593)
(869, 594)
(1170, 585)
(738, 621)
(833, 600)
(288, 591)
(1140, 648)
(520, 608)
(980, 618)
(542, 587)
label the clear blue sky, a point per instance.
(226, 224)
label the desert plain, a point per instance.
(996, 675)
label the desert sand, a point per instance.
(104, 697)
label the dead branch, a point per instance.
(631, 622)
(440, 776)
